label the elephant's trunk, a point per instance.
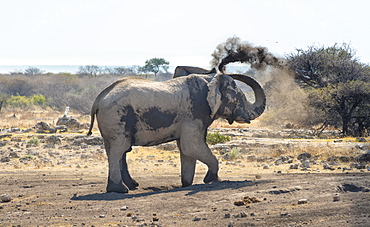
(260, 98)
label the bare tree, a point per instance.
(92, 71)
(33, 71)
(127, 70)
(16, 86)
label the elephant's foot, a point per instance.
(133, 185)
(113, 187)
(210, 177)
(186, 183)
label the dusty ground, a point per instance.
(64, 185)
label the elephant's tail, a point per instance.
(92, 116)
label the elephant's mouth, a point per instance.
(240, 117)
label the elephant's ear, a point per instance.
(214, 95)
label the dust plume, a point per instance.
(286, 101)
(235, 50)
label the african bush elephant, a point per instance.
(138, 112)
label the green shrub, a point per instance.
(18, 101)
(234, 154)
(38, 100)
(34, 140)
(214, 138)
(23, 101)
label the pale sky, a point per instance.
(128, 32)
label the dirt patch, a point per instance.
(61, 182)
(76, 197)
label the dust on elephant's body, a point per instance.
(135, 111)
(147, 112)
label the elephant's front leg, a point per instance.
(193, 144)
(126, 178)
(187, 168)
(115, 183)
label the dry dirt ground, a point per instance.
(64, 185)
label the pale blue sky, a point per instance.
(128, 32)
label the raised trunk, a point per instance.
(260, 98)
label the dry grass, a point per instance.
(222, 123)
(28, 117)
(321, 151)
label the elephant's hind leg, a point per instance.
(115, 155)
(126, 177)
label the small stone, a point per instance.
(239, 203)
(361, 139)
(251, 158)
(336, 198)
(304, 156)
(286, 214)
(266, 167)
(6, 198)
(227, 215)
(243, 214)
(129, 214)
(258, 176)
(196, 219)
(302, 201)
(124, 208)
(294, 166)
(5, 159)
(155, 219)
(306, 163)
(102, 216)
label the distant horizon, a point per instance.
(7, 69)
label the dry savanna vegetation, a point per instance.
(304, 162)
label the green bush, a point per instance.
(38, 100)
(18, 101)
(234, 154)
(214, 138)
(34, 140)
(23, 101)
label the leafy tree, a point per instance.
(338, 86)
(154, 65)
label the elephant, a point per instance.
(139, 112)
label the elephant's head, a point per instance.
(225, 98)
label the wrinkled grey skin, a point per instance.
(139, 112)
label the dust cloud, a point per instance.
(286, 101)
(235, 50)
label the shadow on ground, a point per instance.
(191, 190)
